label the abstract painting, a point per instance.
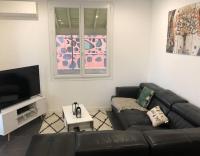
(183, 35)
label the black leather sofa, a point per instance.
(180, 137)
(181, 114)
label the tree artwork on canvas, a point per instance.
(184, 30)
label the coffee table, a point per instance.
(71, 121)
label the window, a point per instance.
(67, 41)
(81, 40)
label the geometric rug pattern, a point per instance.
(54, 123)
(101, 121)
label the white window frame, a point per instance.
(52, 33)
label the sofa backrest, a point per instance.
(156, 101)
(176, 121)
(61, 144)
(163, 98)
(168, 98)
(166, 104)
(189, 112)
(152, 86)
(174, 107)
(111, 143)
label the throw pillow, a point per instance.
(145, 97)
(157, 117)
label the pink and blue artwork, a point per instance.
(68, 52)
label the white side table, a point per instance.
(71, 121)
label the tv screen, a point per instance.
(18, 84)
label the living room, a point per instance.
(138, 33)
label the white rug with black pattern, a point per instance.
(54, 123)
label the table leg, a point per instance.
(8, 136)
(68, 128)
(92, 125)
(42, 117)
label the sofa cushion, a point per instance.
(145, 97)
(184, 142)
(134, 117)
(157, 117)
(62, 144)
(169, 98)
(108, 143)
(177, 122)
(121, 103)
(188, 111)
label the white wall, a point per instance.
(24, 42)
(130, 54)
(179, 73)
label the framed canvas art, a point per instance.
(183, 35)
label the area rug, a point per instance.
(54, 123)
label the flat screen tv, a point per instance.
(18, 84)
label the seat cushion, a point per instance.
(62, 144)
(107, 143)
(134, 117)
(121, 103)
(189, 112)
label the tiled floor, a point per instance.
(20, 139)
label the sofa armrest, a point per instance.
(184, 142)
(107, 143)
(129, 92)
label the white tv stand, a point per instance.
(13, 117)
